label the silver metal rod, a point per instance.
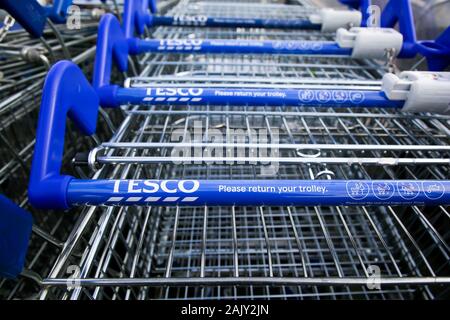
(246, 281)
(268, 160)
(300, 146)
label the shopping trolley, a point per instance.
(25, 61)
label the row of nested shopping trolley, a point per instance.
(246, 149)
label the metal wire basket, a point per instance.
(25, 62)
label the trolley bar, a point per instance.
(251, 97)
(245, 281)
(257, 193)
(136, 12)
(225, 22)
(138, 46)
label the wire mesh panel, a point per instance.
(244, 9)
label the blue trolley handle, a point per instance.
(32, 16)
(66, 93)
(257, 193)
(143, 18)
(139, 18)
(153, 6)
(437, 52)
(150, 20)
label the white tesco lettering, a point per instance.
(165, 188)
(153, 186)
(181, 42)
(182, 19)
(194, 188)
(131, 185)
(178, 91)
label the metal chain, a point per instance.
(391, 54)
(8, 22)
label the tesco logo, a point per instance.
(153, 186)
(176, 91)
(182, 19)
(181, 42)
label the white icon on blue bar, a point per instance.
(408, 189)
(357, 97)
(306, 95)
(278, 44)
(305, 45)
(317, 46)
(291, 45)
(323, 96)
(383, 190)
(433, 189)
(357, 190)
(340, 96)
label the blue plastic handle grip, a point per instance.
(66, 93)
(252, 97)
(29, 13)
(255, 193)
(153, 6)
(400, 11)
(137, 46)
(111, 44)
(134, 17)
(226, 22)
(15, 231)
(436, 52)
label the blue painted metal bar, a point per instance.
(137, 46)
(400, 11)
(253, 192)
(136, 12)
(66, 93)
(252, 97)
(225, 22)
